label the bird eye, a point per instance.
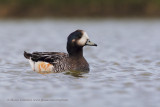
(79, 36)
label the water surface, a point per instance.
(125, 67)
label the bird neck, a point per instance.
(75, 51)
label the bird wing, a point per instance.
(50, 57)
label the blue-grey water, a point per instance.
(125, 67)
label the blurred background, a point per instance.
(124, 67)
(79, 8)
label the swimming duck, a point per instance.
(53, 62)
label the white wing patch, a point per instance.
(32, 64)
(83, 40)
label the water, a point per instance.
(125, 67)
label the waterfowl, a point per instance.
(53, 62)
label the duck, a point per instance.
(54, 62)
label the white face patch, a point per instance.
(73, 40)
(82, 41)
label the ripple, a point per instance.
(124, 67)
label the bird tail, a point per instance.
(27, 55)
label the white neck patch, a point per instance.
(82, 41)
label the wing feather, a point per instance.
(50, 57)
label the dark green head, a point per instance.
(76, 41)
